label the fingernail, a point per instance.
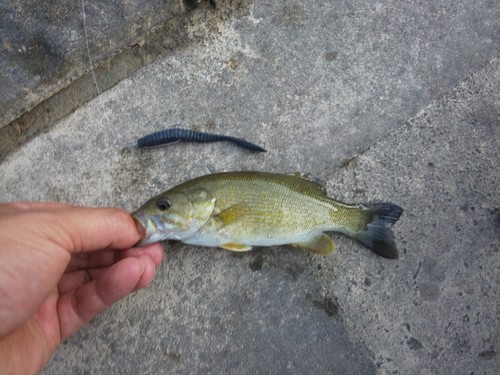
(140, 227)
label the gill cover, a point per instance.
(174, 216)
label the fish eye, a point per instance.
(163, 204)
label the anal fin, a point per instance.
(322, 245)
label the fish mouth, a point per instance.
(150, 227)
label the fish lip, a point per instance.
(148, 224)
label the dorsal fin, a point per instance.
(310, 178)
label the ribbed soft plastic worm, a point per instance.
(174, 135)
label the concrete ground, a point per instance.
(393, 101)
(45, 48)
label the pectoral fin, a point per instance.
(231, 214)
(233, 246)
(322, 245)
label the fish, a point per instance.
(240, 210)
(174, 135)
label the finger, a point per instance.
(97, 259)
(72, 280)
(80, 306)
(78, 229)
(41, 205)
(153, 251)
(17, 206)
(87, 229)
(105, 258)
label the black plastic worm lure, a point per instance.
(174, 135)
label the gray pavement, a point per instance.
(382, 101)
(44, 48)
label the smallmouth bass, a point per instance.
(238, 210)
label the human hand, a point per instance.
(59, 267)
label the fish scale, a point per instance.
(279, 203)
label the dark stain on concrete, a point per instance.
(174, 357)
(487, 354)
(292, 15)
(414, 344)
(294, 269)
(328, 304)
(256, 263)
(190, 4)
(330, 56)
(40, 53)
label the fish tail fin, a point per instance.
(377, 234)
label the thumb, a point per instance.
(76, 229)
(87, 229)
(36, 243)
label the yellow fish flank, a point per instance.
(239, 210)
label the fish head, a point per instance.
(174, 215)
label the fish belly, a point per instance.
(215, 239)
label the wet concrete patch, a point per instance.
(45, 47)
(58, 84)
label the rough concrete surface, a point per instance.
(46, 45)
(157, 42)
(437, 309)
(388, 101)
